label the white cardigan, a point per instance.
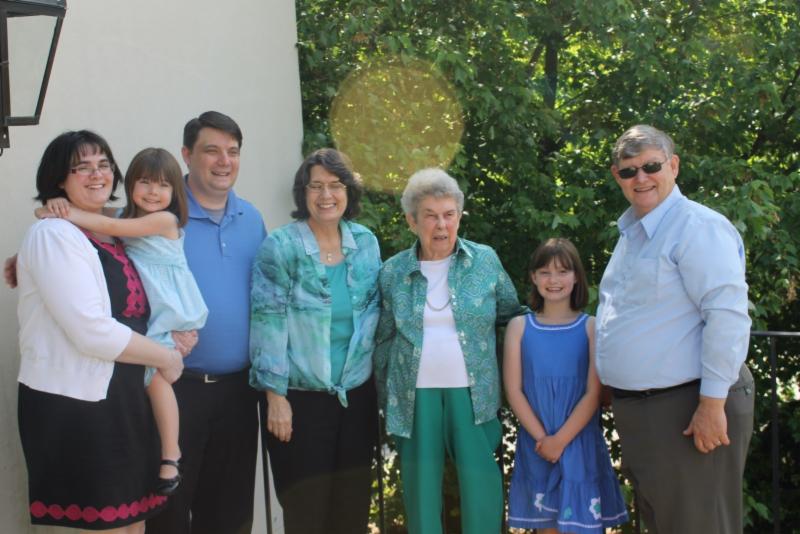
(67, 337)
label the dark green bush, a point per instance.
(545, 88)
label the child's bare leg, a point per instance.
(165, 411)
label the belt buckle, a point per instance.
(208, 380)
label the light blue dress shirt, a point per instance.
(673, 301)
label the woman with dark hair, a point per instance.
(85, 424)
(314, 311)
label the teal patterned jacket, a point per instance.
(481, 296)
(290, 311)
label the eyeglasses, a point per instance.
(648, 168)
(332, 187)
(88, 170)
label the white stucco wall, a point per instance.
(135, 72)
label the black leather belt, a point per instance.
(645, 393)
(209, 378)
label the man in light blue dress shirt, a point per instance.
(672, 336)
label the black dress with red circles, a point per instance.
(93, 465)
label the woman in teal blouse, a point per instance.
(435, 360)
(314, 309)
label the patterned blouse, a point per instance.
(290, 311)
(481, 296)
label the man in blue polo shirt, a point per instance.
(218, 409)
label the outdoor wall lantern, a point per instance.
(29, 31)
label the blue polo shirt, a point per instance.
(220, 257)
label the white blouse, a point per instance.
(67, 337)
(441, 363)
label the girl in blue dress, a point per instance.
(150, 226)
(563, 480)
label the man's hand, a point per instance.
(10, 271)
(184, 341)
(709, 426)
(279, 416)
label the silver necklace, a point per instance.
(434, 308)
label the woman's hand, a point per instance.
(550, 448)
(185, 341)
(279, 416)
(173, 368)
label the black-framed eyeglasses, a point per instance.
(648, 168)
(88, 170)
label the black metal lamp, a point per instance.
(29, 31)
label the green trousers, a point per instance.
(444, 420)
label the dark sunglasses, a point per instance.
(648, 168)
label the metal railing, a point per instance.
(774, 415)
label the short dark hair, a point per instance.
(336, 163)
(210, 119)
(157, 164)
(62, 154)
(566, 255)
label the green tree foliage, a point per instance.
(545, 88)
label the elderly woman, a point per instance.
(314, 312)
(435, 359)
(86, 427)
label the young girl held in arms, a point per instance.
(562, 480)
(150, 226)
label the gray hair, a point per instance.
(639, 138)
(430, 182)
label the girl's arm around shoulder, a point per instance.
(161, 223)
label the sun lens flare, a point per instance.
(394, 117)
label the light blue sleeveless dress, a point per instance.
(175, 299)
(579, 493)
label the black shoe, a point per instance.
(168, 486)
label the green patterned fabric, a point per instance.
(481, 296)
(290, 311)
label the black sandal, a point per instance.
(168, 486)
